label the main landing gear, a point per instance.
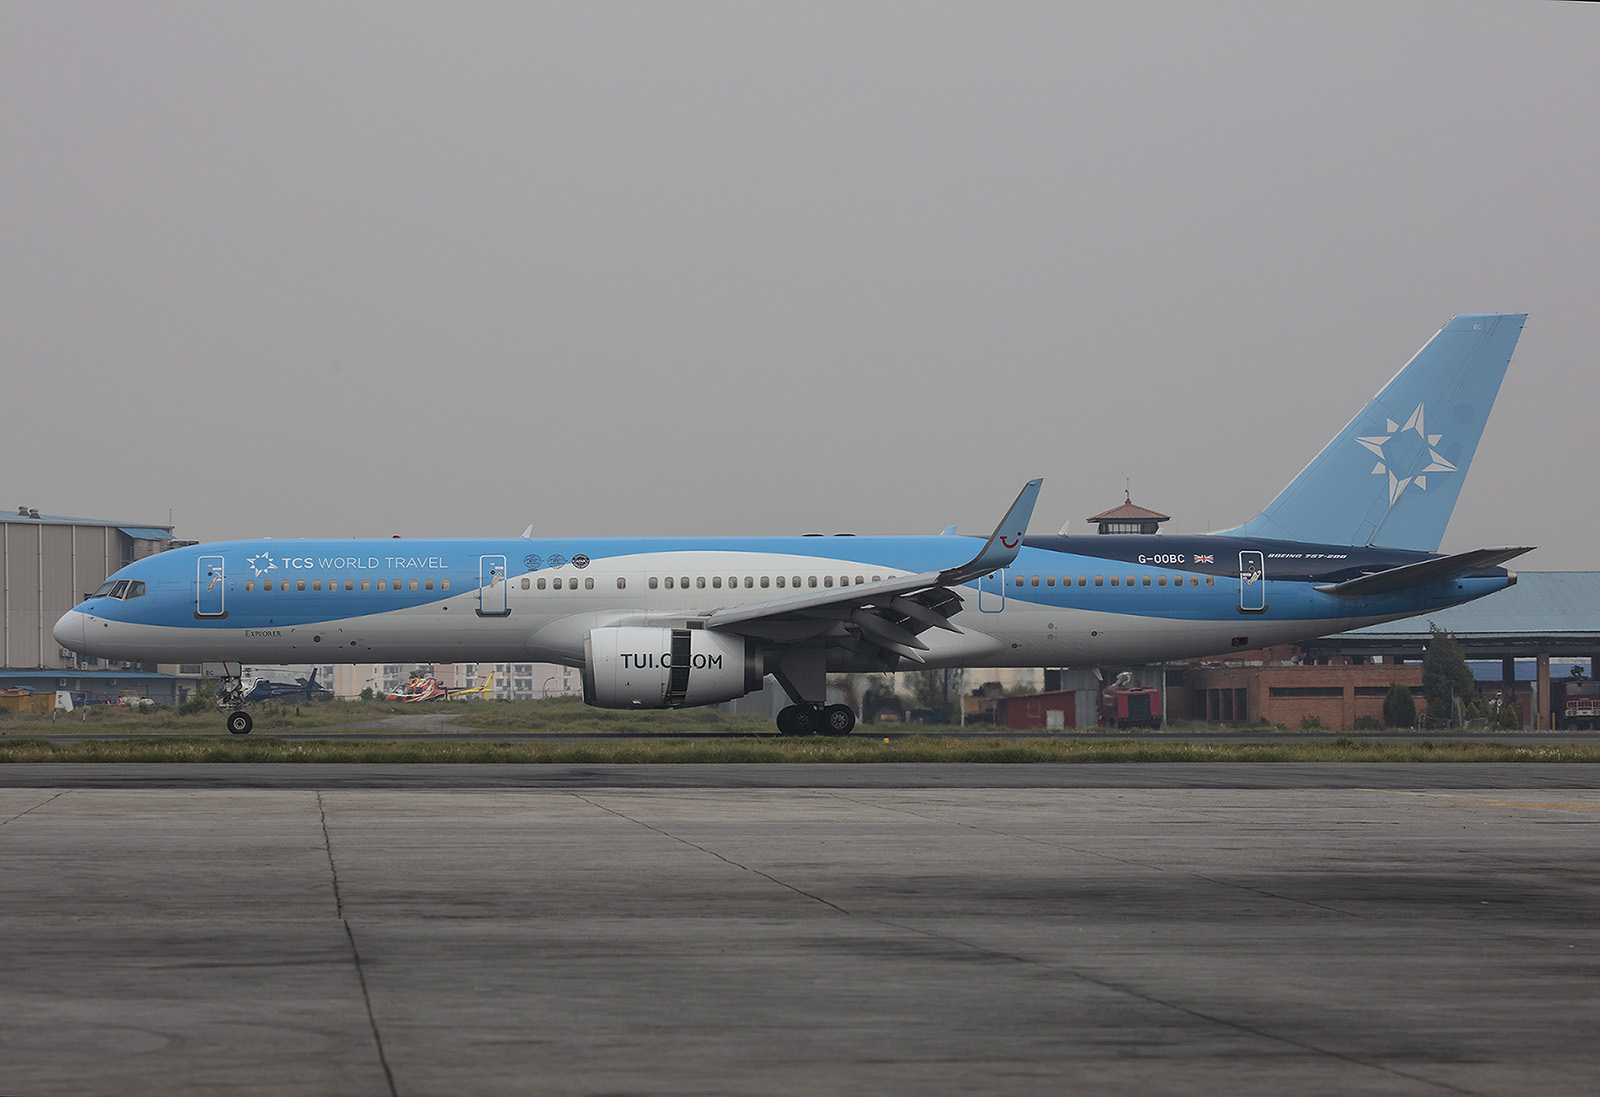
(813, 719)
(239, 722)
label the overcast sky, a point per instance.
(320, 269)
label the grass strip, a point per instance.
(848, 750)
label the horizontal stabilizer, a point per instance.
(1423, 572)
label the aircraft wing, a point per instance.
(888, 614)
(1422, 572)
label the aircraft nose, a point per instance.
(69, 630)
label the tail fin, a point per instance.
(1391, 477)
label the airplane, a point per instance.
(670, 622)
(263, 689)
(424, 688)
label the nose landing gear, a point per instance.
(230, 699)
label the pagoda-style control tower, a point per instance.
(1130, 517)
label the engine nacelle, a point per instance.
(635, 667)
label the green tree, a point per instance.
(935, 687)
(1399, 710)
(1445, 676)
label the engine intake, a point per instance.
(636, 667)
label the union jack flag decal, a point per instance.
(1204, 558)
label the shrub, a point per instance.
(1311, 723)
(1399, 709)
(1367, 723)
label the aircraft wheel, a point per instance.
(838, 720)
(786, 720)
(239, 723)
(807, 719)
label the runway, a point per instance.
(1182, 929)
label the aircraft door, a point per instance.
(209, 587)
(1252, 582)
(492, 587)
(992, 592)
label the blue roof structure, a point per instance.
(1549, 612)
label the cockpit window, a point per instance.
(120, 588)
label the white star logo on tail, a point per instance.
(1424, 450)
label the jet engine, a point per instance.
(635, 667)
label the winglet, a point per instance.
(1001, 547)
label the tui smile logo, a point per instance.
(261, 564)
(1404, 450)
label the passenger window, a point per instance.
(1116, 581)
(249, 584)
(811, 580)
(541, 584)
(366, 584)
(1099, 581)
(1144, 581)
(684, 582)
(716, 582)
(1194, 580)
(316, 584)
(266, 584)
(413, 584)
(669, 582)
(527, 584)
(1049, 580)
(350, 584)
(749, 580)
(1211, 580)
(700, 582)
(299, 584)
(765, 581)
(653, 583)
(588, 582)
(428, 584)
(797, 580)
(444, 584)
(1035, 581)
(1018, 580)
(860, 580)
(827, 580)
(1083, 581)
(780, 580)
(1130, 580)
(1161, 580)
(877, 578)
(621, 583)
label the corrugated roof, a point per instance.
(133, 529)
(1542, 602)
